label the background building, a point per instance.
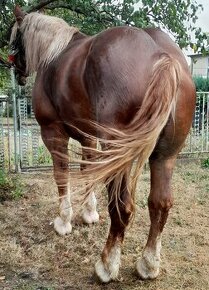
(199, 65)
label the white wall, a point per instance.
(199, 66)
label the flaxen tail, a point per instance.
(137, 141)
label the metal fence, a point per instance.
(197, 142)
(5, 134)
(6, 122)
(21, 146)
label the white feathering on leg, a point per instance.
(89, 213)
(62, 223)
(148, 265)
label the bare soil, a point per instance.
(33, 256)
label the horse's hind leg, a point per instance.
(159, 202)
(89, 213)
(107, 267)
(56, 140)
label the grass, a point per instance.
(33, 256)
(44, 156)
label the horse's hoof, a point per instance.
(145, 270)
(61, 227)
(90, 217)
(109, 271)
(104, 274)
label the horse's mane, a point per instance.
(44, 37)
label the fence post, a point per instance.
(16, 151)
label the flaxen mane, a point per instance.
(44, 37)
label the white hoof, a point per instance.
(61, 227)
(147, 269)
(109, 271)
(90, 217)
(104, 274)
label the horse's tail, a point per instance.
(137, 141)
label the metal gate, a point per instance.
(6, 124)
(7, 146)
(21, 146)
(197, 142)
(32, 152)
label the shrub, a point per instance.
(202, 84)
(10, 187)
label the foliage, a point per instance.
(8, 112)
(205, 163)
(91, 16)
(6, 18)
(43, 156)
(202, 84)
(10, 186)
(4, 79)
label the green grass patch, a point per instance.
(11, 186)
(205, 163)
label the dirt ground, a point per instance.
(33, 256)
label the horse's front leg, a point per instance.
(89, 212)
(120, 211)
(159, 202)
(56, 140)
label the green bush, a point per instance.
(10, 186)
(202, 84)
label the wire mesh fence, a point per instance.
(198, 140)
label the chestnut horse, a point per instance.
(131, 88)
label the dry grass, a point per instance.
(32, 256)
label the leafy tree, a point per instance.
(91, 16)
(4, 80)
